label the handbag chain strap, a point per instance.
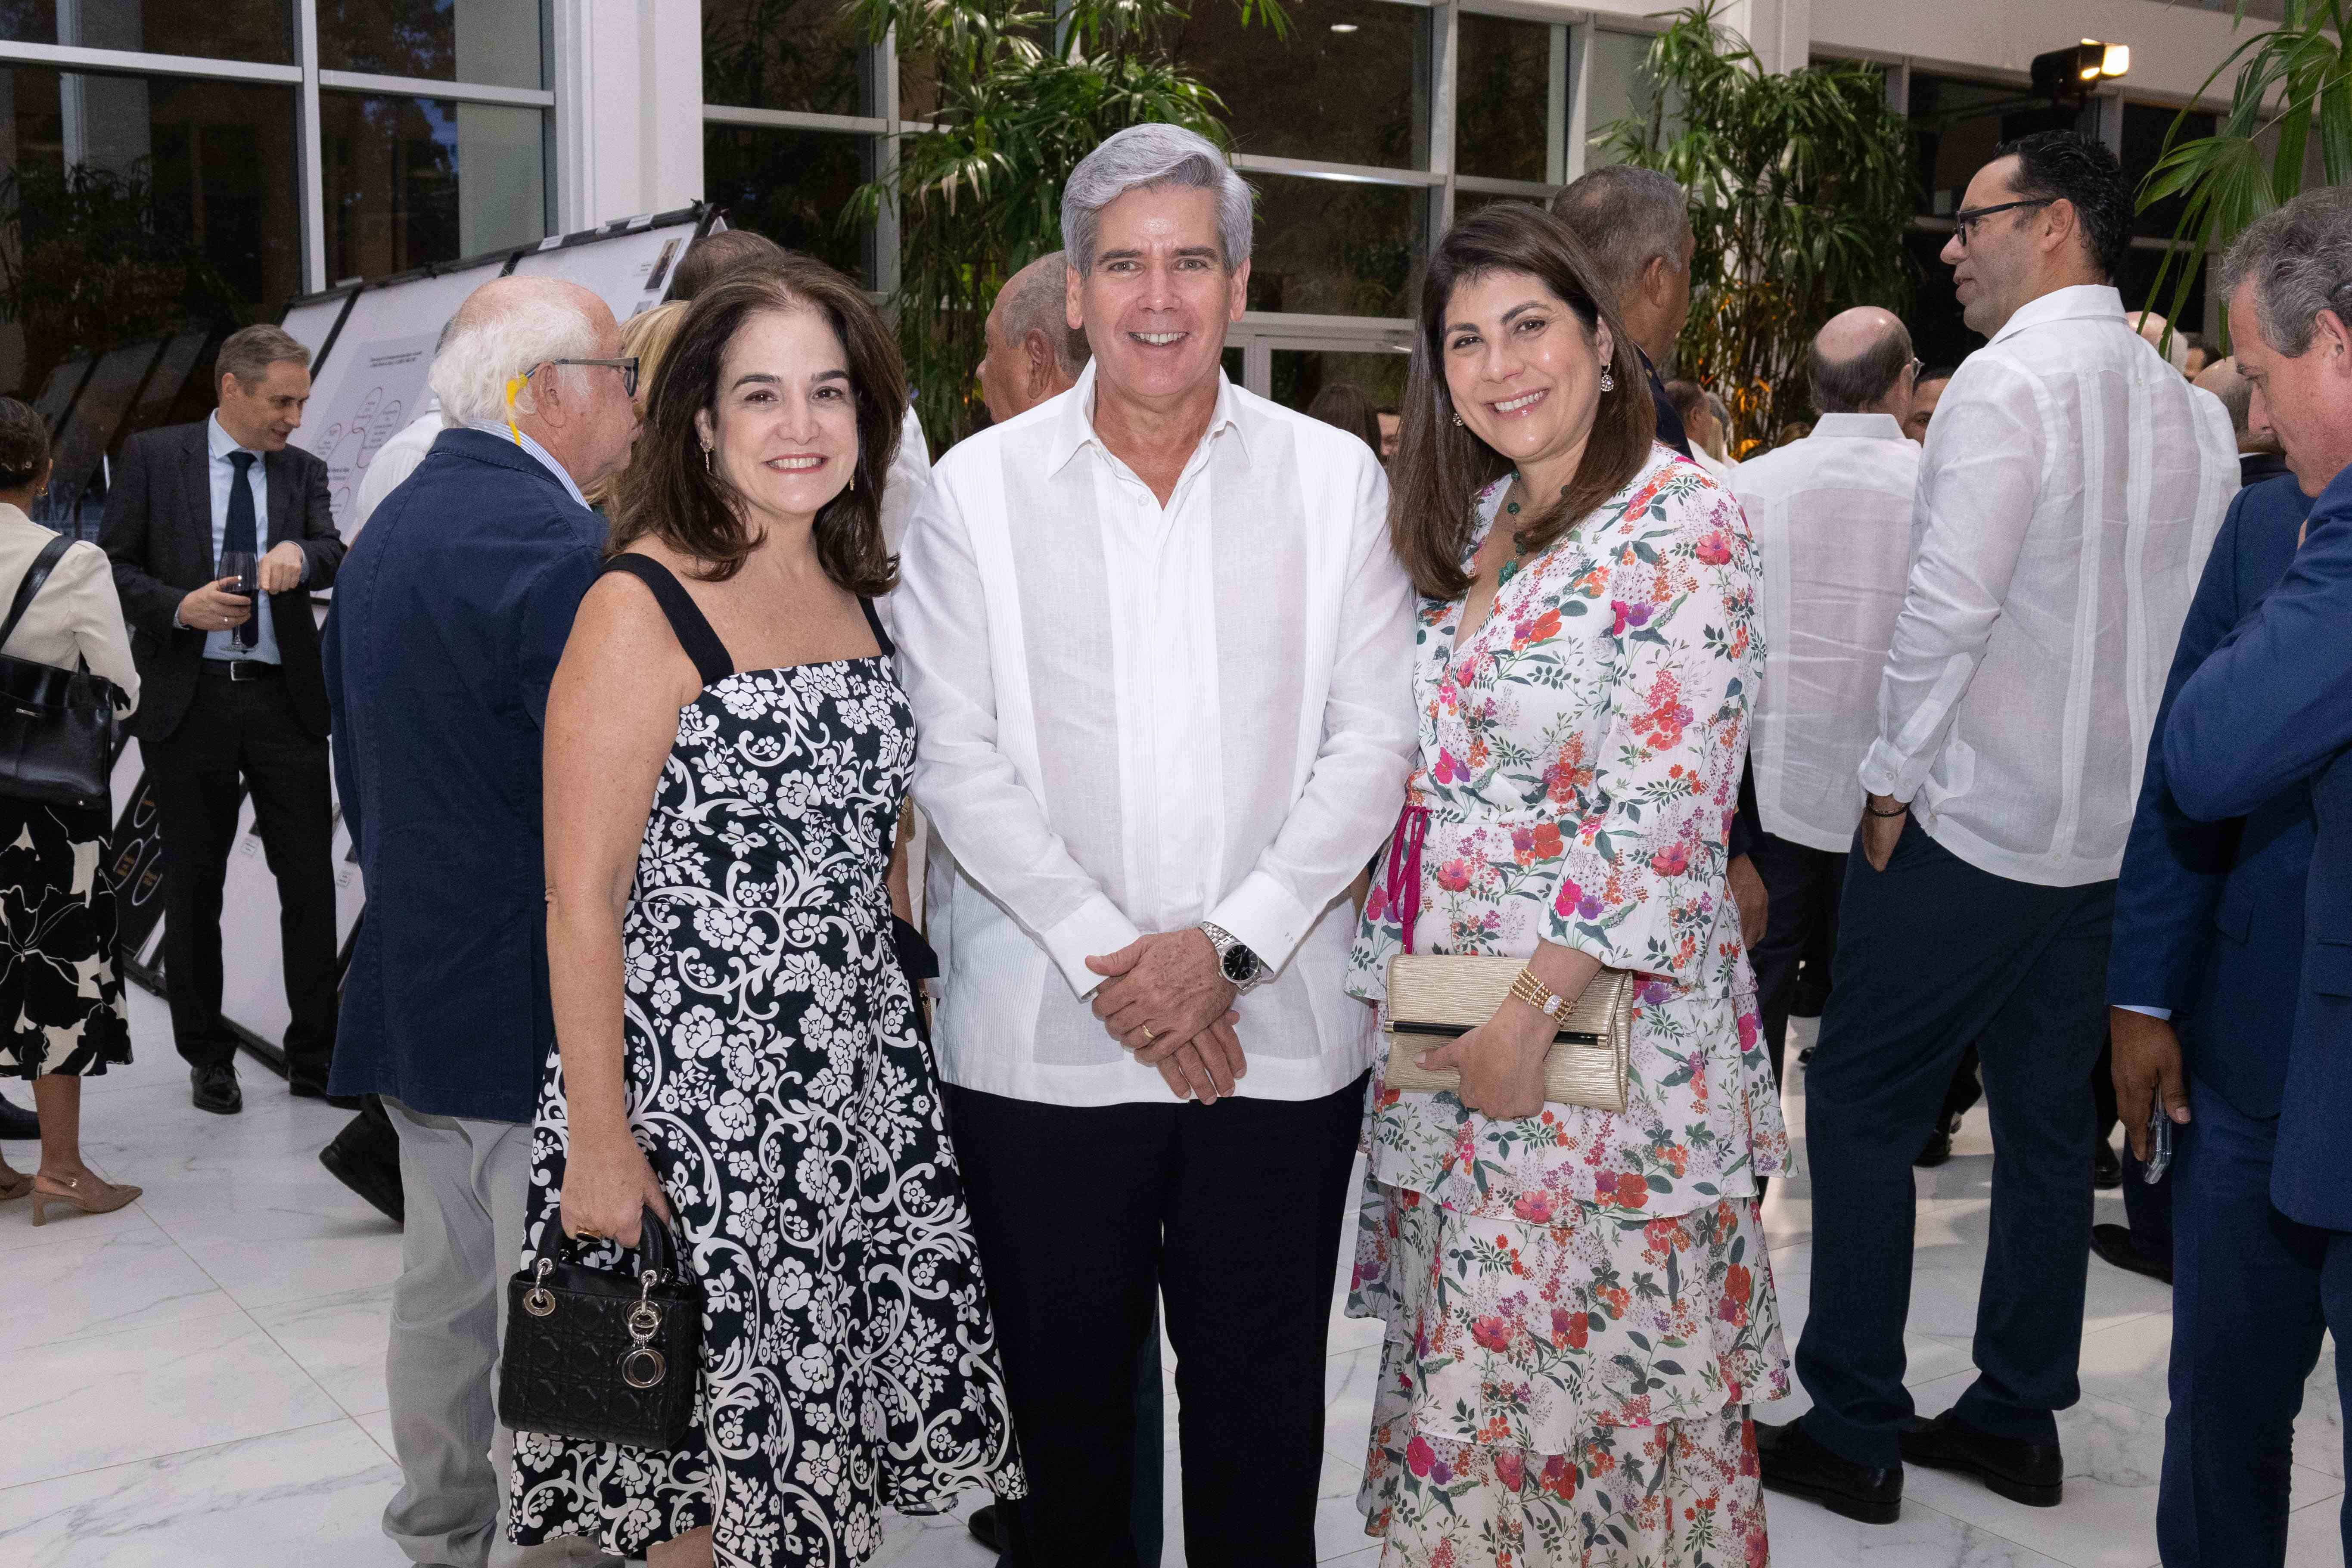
(34, 575)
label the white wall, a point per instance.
(629, 108)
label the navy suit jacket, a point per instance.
(2208, 915)
(447, 622)
(2270, 710)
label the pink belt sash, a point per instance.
(1400, 884)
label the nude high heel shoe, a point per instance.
(89, 1195)
(15, 1184)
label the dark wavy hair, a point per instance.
(2069, 165)
(1440, 465)
(669, 492)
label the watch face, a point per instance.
(1240, 963)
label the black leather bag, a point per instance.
(604, 1357)
(59, 729)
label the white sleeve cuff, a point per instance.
(1881, 772)
(1091, 930)
(1265, 919)
(2163, 1013)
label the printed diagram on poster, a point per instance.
(629, 271)
(380, 389)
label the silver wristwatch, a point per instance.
(1236, 961)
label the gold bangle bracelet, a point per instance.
(1536, 994)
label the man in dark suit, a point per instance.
(232, 697)
(2262, 731)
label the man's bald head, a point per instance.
(2151, 326)
(1032, 352)
(501, 360)
(2237, 394)
(1861, 364)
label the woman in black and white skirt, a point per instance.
(61, 1018)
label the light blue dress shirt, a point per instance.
(223, 644)
(505, 432)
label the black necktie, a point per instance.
(239, 536)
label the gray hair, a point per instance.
(2299, 260)
(1625, 216)
(249, 351)
(505, 328)
(1033, 301)
(1844, 385)
(1147, 155)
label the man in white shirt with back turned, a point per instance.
(2070, 488)
(1832, 516)
(1159, 656)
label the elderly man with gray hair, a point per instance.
(450, 616)
(1160, 653)
(2262, 731)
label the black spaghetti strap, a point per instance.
(687, 622)
(881, 637)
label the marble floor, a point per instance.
(197, 1380)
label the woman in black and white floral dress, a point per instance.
(727, 752)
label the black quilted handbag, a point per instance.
(59, 729)
(603, 1357)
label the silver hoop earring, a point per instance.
(1608, 382)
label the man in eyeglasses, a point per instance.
(2070, 488)
(450, 616)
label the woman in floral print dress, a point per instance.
(1579, 1304)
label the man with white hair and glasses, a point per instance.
(2262, 731)
(450, 616)
(1159, 654)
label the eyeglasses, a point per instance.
(627, 367)
(1970, 218)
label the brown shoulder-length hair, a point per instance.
(672, 495)
(1441, 465)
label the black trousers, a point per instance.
(1801, 916)
(1231, 1213)
(1934, 953)
(245, 730)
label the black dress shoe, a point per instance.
(987, 1527)
(1794, 1463)
(1934, 1150)
(307, 1089)
(365, 1157)
(216, 1089)
(16, 1122)
(2107, 1169)
(2113, 1243)
(2031, 1473)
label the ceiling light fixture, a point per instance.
(2066, 77)
(1343, 26)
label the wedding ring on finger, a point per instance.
(1148, 1036)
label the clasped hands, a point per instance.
(1168, 1001)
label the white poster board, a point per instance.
(374, 381)
(630, 270)
(309, 322)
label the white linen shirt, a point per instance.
(1831, 517)
(1131, 718)
(2070, 489)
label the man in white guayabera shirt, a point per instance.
(1832, 516)
(1159, 656)
(2070, 488)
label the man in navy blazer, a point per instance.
(2201, 984)
(448, 621)
(2268, 717)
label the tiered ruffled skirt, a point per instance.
(1572, 1392)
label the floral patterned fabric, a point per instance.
(778, 1084)
(1580, 758)
(61, 995)
(1567, 1393)
(1579, 1303)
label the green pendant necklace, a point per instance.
(1511, 509)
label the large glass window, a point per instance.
(411, 181)
(1349, 86)
(790, 185)
(495, 42)
(130, 205)
(1956, 124)
(1340, 248)
(222, 29)
(1622, 88)
(2145, 128)
(1502, 86)
(1300, 374)
(782, 54)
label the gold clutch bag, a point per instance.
(1437, 997)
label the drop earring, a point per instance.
(1458, 419)
(705, 460)
(1608, 382)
